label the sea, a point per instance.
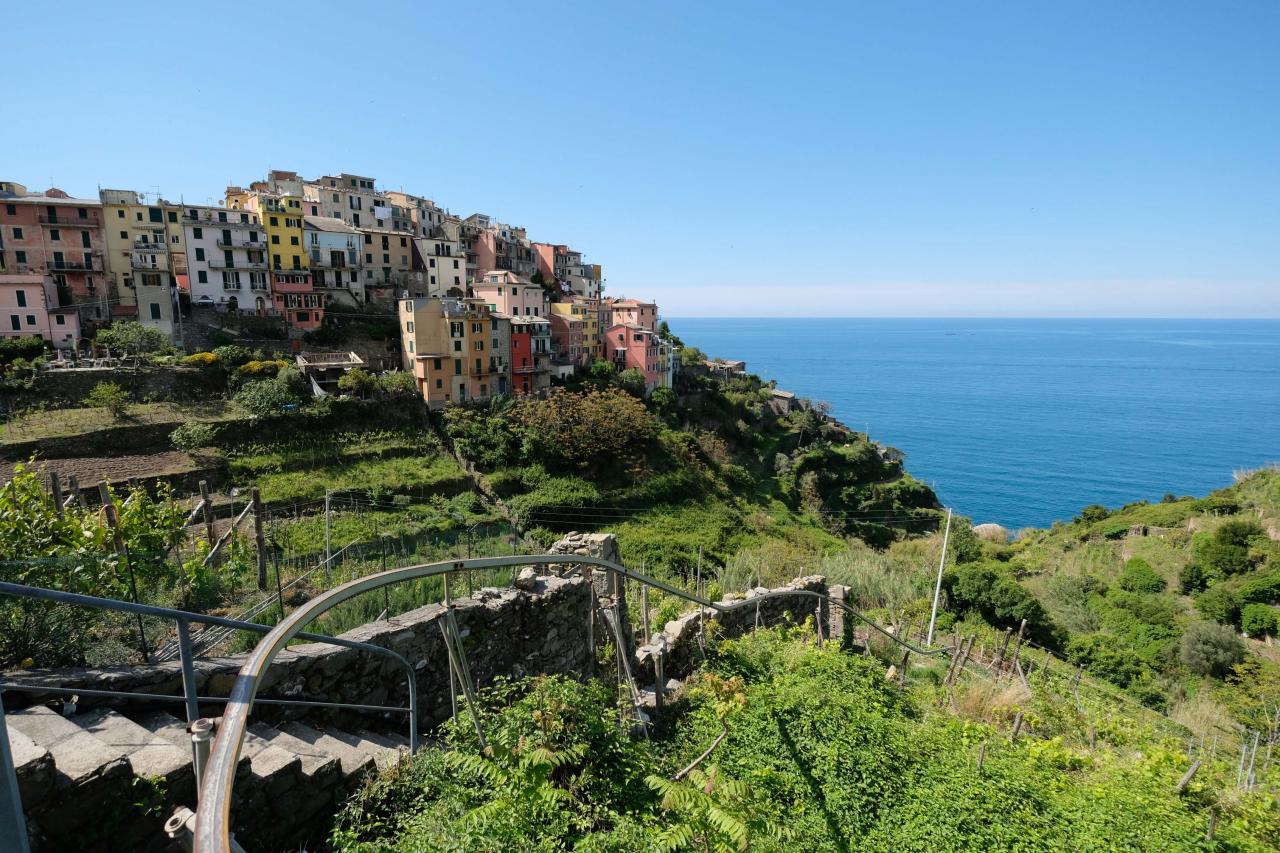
(1023, 422)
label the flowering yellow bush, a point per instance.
(269, 367)
(200, 359)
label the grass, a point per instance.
(414, 475)
(63, 423)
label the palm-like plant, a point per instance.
(716, 814)
(520, 775)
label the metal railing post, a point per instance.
(201, 738)
(188, 671)
(13, 824)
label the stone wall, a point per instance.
(67, 388)
(515, 632)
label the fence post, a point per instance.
(998, 664)
(13, 824)
(55, 486)
(122, 550)
(74, 485)
(207, 511)
(1017, 649)
(259, 540)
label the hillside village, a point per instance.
(482, 309)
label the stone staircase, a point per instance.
(136, 768)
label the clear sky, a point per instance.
(861, 158)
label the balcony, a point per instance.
(222, 223)
(258, 287)
(148, 264)
(71, 219)
(260, 245)
(93, 264)
(222, 264)
(144, 246)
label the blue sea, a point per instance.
(1022, 422)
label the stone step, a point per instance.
(80, 760)
(355, 754)
(150, 755)
(274, 770)
(33, 765)
(319, 767)
(396, 748)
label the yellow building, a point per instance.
(144, 242)
(586, 310)
(292, 292)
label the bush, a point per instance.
(109, 396)
(266, 397)
(193, 435)
(1219, 604)
(1259, 620)
(1105, 656)
(398, 384)
(130, 336)
(232, 355)
(1210, 649)
(27, 348)
(357, 382)
(632, 381)
(605, 432)
(1138, 576)
(999, 599)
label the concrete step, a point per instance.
(319, 767)
(396, 747)
(274, 770)
(33, 765)
(150, 754)
(80, 760)
(355, 754)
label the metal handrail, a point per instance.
(213, 816)
(184, 618)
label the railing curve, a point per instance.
(213, 815)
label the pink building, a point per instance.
(29, 308)
(53, 234)
(643, 314)
(629, 345)
(568, 339)
(508, 293)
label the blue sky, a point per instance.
(987, 158)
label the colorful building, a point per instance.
(56, 235)
(631, 346)
(334, 250)
(644, 314)
(448, 344)
(29, 308)
(289, 274)
(530, 355)
(512, 294)
(226, 259)
(569, 334)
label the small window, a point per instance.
(410, 346)
(173, 216)
(124, 235)
(22, 299)
(11, 209)
(439, 382)
(16, 322)
(59, 320)
(31, 319)
(202, 277)
(20, 256)
(120, 213)
(197, 233)
(457, 362)
(17, 233)
(55, 234)
(435, 364)
(155, 310)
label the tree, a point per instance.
(1093, 513)
(109, 396)
(601, 374)
(1138, 576)
(357, 382)
(999, 599)
(604, 432)
(1259, 620)
(193, 435)
(633, 382)
(692, 357)
(1211, 649)
(398, 383)
(130, 336)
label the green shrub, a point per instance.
(109, 396)
(1138, 576)
(232, 355)
(1259, 620)
(193, 435)
(1105, 656)
(1211, 649)
(1220, 604)
(266, 397)
(987, 589)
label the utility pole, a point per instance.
(937, 589)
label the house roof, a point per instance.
(328, 223)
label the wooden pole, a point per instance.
(1186, 777)
(1017, 649)
(208, 511)
(55, 487)
(982, 755)
(1017, 727)
(998, 665)
(74, 485)
(902, 673)
(259, 540)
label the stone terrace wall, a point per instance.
(515, 632)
